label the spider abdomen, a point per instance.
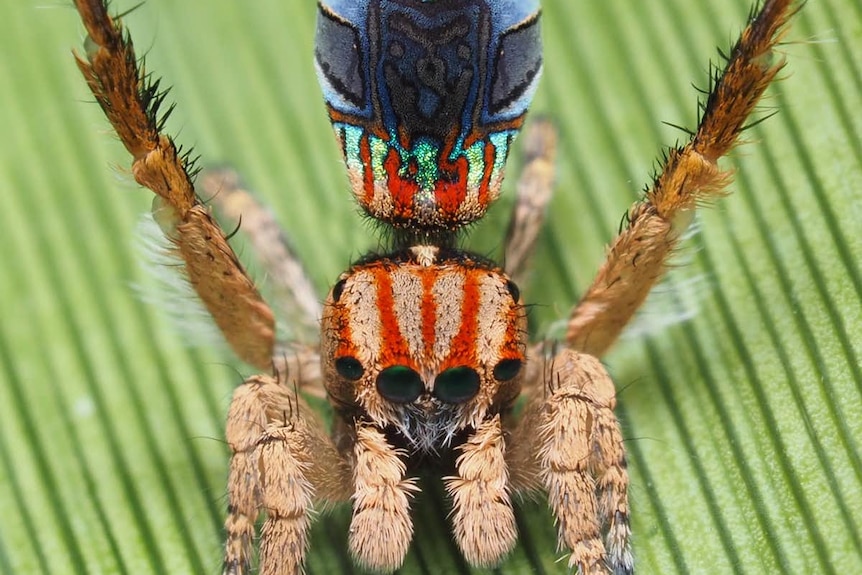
(425, 99)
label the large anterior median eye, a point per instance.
(456, 384)
(400, 384)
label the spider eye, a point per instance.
(456, 384)
(337, 290)
(513, 290)
(349, 368)
(507, 369)
(400, 384)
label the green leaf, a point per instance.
(744, 423)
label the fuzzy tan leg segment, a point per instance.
(483, 519)
(568, 444)
(282, 462)
(638, 256)
(381, 528)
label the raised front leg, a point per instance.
(568, 443)
(130, 99)
(690, 177)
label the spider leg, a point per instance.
(130, 100)
(237, 207)
(569, 444)
(302, 363)
(690, 176)
(483, 518)
(282, 462)
(290, 289)
(381, 528)
(535, 188)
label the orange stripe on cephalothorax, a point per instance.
(463, 349)
(341, 324)
(394, 348)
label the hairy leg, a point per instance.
(569, 444)
(131, 100)
(637, 257)
(282, 462)
(293, 295)
(535, 188)
(381, 528)
(483, 520)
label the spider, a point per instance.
(423, 348)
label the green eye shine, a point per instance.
(349, 368)
(400, 384)
(506, 369)
(457, 384)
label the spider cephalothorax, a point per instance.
(424, 350)
(424, 342)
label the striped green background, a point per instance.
(743, 424)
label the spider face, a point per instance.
(424, 344)
(425, 99)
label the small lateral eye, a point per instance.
(506, 369)
(400, 384)
(513, 290)
(457, 384)
(337, 290)
(349, 368)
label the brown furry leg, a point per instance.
(282, 461)
(483, 518)
(130, 100)
(690, 177)
(381, 529)
(569, 444)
